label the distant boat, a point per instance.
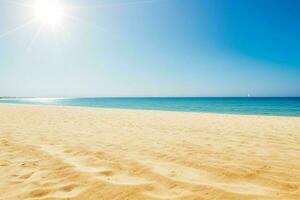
(249, 95)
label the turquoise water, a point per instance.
(248, 106)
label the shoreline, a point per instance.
(137, 109)
(68, 152)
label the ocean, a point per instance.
(244, 106)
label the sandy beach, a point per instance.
(49, 152)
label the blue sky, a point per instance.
(153, 48)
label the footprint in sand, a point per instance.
(26, 176)
(102, 170)
(67, 191)
(123, 179)
(196, 177)
(38, 193)
(163, 192)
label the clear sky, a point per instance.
(151, 48)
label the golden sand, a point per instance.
(49, 152)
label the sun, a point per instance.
(49, 12)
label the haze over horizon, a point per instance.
(126, 48)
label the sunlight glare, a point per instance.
(49, 12)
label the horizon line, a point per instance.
(88, 97)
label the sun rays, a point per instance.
(52, 15)
(17, 28)
(114, 4)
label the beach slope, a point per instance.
(49, 152)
